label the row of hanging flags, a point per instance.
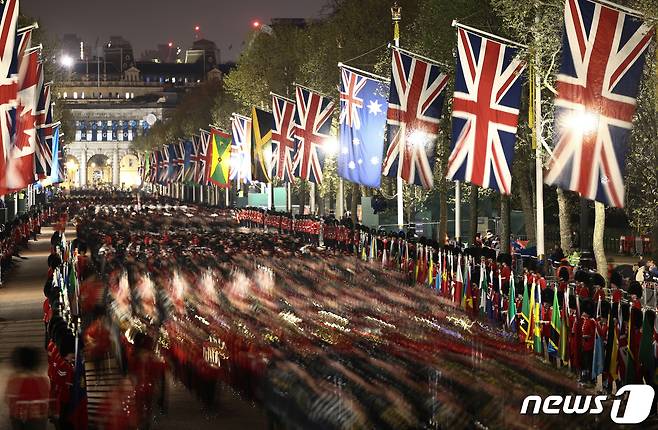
(602, 59)
(545, 320)
(30, 148)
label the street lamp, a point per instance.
(330, 146)
(66, 61)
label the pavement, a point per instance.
(21, 301)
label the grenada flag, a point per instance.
(220, 158)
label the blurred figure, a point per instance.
(27, 393)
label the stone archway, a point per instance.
(129, 175)
(99, 170)
(72, 178)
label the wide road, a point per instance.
(21, 301)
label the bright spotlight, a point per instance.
(419, 138)
(330, 146)
(66, 61)
(585, 122)
(256, 24)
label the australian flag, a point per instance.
(362, 124)
(602, 61)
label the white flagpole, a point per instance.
(269, 196)
(288, 198)
(539, 168)
(311, 200)
(396, 14)
(458, 211)
(340, 208)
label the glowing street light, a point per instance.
(66, 61)
(419, 138)
(584, 122)
(330, 146)
(255, 24)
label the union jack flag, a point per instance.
(8, 82)
(602, 61)
(414, 109)
(485, 112)
(202, 155)
(282, 137)
(44, 155)
(162, 159)
(312, 126)
(240, 149)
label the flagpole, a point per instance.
(288, 197)
(458, 211)
(340, 206)
(539, 168)
(269, 196)
(396, 15)
(311, 200)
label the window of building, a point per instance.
(127, 96)
(82, 95)
(75, 94)
(65, 95)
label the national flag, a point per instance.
(312, 126)
(283, 140)
(612, 348)
(201, 169)
(524, 321)
(511, 311)
(44, 133)
(646, 353)
(241, 149)
(20, 166)
(414, 109)
(261, 145)
(219, 158)
(8, 80)
(484, 290)
(556, 326)
(56, 173)
(598, 359)
(564, 334)
(175, 163)
(188, 166)
(536, 317)
(602, 62)
(468, 291)
(362, 126)
(145, 166)
(485, 111)
(629, 358)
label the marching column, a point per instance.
(115, 167)
(83, 168)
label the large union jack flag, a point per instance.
(485, 112)
(282, 137)
(602, 61)
(312, 126)
(8, 80)
(240, 169)
(414, 109)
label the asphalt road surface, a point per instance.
(21, 301)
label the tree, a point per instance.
(597, 240)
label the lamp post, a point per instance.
(396, 16)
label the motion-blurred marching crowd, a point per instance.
(322, 324)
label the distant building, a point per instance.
(119, 53)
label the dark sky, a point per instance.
(145, 23)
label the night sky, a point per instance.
(145, 23)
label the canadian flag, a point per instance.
(20, 168)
